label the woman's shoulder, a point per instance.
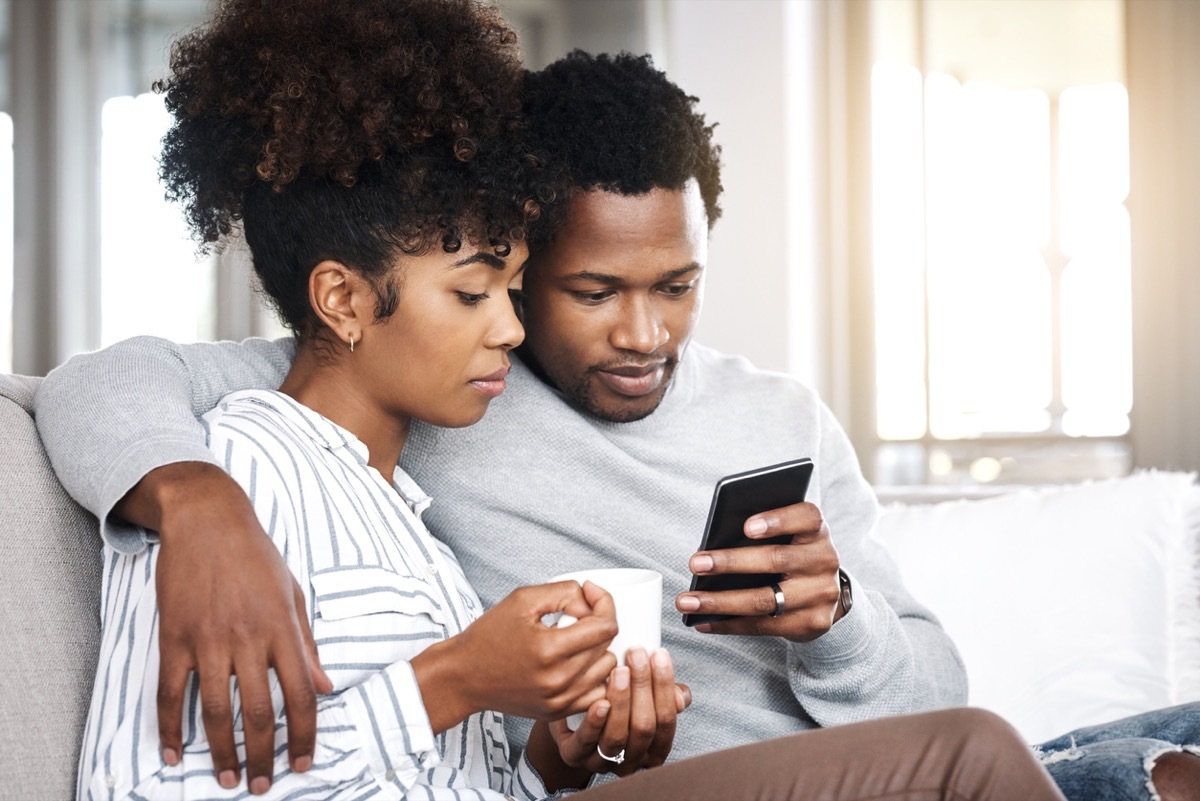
(263, 422)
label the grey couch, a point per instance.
(50, 614)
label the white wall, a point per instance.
(734, 55)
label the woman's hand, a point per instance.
(635, 724)
(509, 661)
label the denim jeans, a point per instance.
(1112, 761)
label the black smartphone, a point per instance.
(736, 498)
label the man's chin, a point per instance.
(622, 409)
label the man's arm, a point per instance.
(108, 418)
(120, 428)
(889, 654)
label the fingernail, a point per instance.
(702, 564)
(756, 525)
(687, 603)
(227, 779)
(302, 763)
(602, 709)
(637, 658)
(704, 627)
(170, 756)
(661, 658)
(621, 678)
(259, 785)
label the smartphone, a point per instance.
(736, 498)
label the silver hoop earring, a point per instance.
(352, 343)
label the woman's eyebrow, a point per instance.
(481, 257)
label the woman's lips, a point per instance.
(491, 385)
(633, 382)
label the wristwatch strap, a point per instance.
(846, 596)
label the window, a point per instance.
(117, 259)
(151, 280)
(1001, 254)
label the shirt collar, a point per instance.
(327, 434)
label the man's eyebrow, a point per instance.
(679, 272)
(605, 278)
(481, 257)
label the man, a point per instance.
(617, 426)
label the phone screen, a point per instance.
(736, 498)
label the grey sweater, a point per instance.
(537, 489)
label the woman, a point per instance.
(372, 153)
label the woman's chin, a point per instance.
(459, 418)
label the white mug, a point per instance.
(637, 597)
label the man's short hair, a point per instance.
(618, 124)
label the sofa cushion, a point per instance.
(50, 572)
(1071, 604)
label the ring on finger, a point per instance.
(775, 588)
(618, 759)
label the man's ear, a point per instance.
(342, 300)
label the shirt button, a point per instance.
(110, 781)
(432, 568)
(390, 775)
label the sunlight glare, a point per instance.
(898, 245)
(152, 281)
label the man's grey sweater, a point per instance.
(538, 488)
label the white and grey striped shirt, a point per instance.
(379, 589)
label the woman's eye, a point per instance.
(471, 299)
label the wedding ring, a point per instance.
(618, 759)
(778, 600)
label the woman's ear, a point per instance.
(342, 300)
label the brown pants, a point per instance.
(955, 754)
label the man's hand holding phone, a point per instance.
(779, 573)
(810, 582)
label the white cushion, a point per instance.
(1071, 605)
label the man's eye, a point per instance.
(599, 296)
(675, 290)
(471, 299)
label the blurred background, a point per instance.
(971, 225)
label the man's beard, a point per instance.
(581, 395)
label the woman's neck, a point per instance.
(327, 387)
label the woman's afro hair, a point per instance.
(424, 91)
(620, 125)
(348, 130)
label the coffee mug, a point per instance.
(637, 597)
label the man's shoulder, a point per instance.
(729, 373)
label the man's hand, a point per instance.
(228, 606)
(809, 565)
(635, 722)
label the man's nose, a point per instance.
(641, 328)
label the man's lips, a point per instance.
(633, 381)
(491, 385)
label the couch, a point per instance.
(1070, 604)
(50, 575)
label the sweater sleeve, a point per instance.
(110, 417)
(889, 655)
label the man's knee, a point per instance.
(1175, 776)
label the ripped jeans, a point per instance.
(1112, 761)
